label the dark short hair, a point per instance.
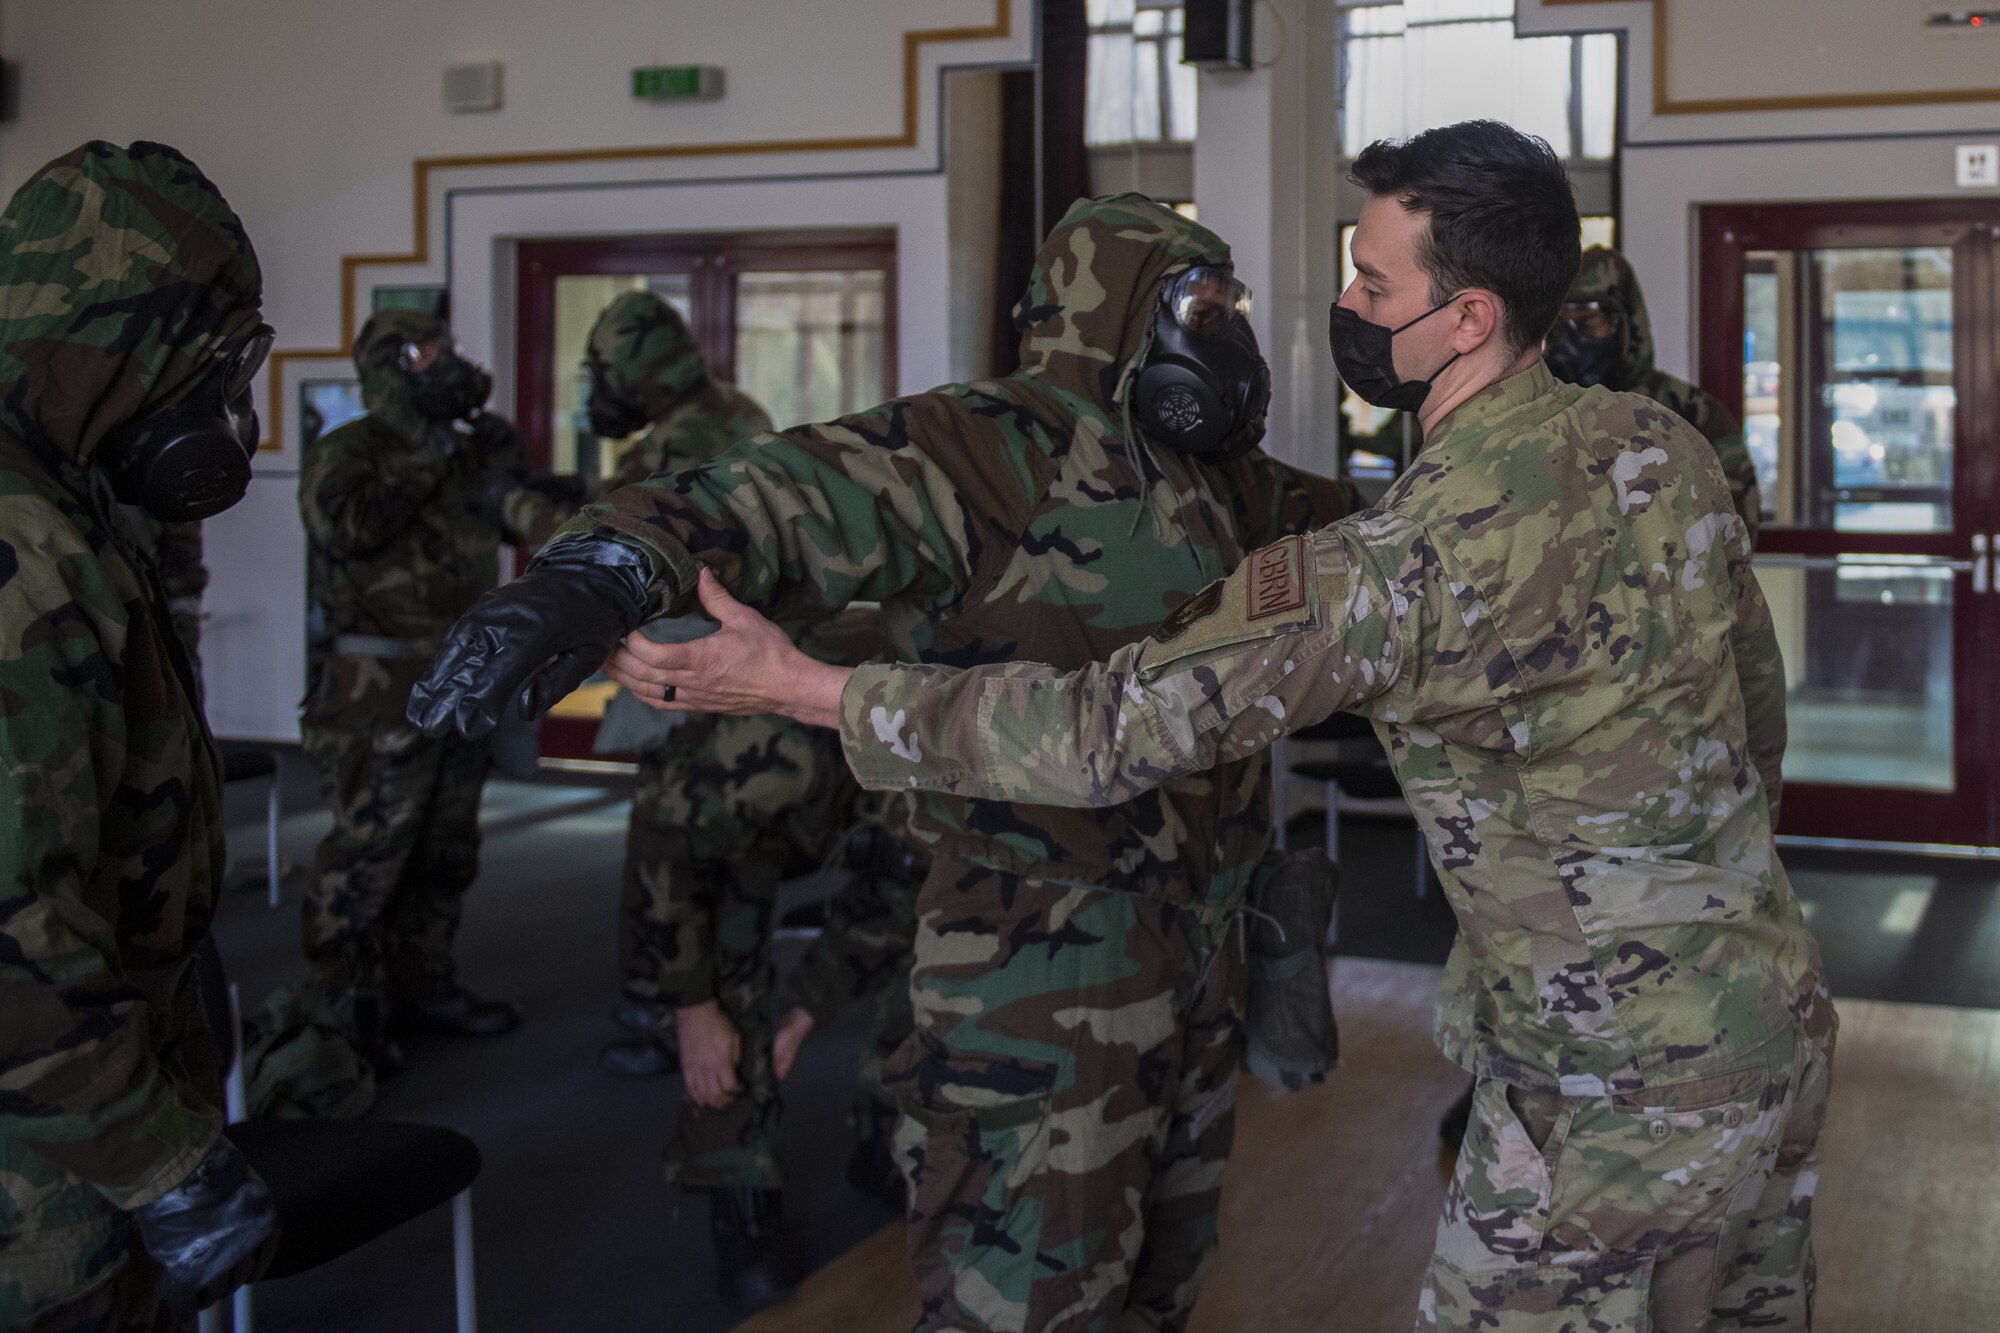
(1502, 216)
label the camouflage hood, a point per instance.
(386, 388)
(1087, 316)
(1607, 277)
(642, 347)
(127, 274)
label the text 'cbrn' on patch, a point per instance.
(1277, 582)
(1270, 584)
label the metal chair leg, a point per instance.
(271, 837)
(461, 1252)
(1423, 866)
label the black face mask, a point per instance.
(1579, 359)
(613, 414)
(451, 388)
(1204, 395)
(1364, 355)
(192, 460)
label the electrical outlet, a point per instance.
(1979, 166)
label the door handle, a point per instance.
(1981, 568)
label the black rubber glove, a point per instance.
(535, 639)
(497, 443)
(209, 1232)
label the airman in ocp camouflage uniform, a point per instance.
(399, 509)
(1552, 620)
(128, 291)
(724, 810)
(1606, 337)
(1068, 1097)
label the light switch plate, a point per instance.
(1979, 166)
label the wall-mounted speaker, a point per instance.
(1217, 34)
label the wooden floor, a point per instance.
(1332, 1195)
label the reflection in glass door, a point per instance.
(1847, 334)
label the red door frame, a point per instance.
(1728, 233)
(713, 259)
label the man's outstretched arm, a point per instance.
(1302, 629)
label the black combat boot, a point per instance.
(457, 1012)
(645, 1046)
(753, 1265)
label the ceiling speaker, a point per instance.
(1217, 34)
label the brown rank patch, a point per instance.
(1198, 607)
(1277, 579)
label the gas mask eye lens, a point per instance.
(1203, 299)
(248, 359)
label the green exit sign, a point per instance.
(676, 83)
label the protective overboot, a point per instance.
(457, 1012)
(1451, 1128)
(753, 1265)
(872, 1171)
(646, 1045)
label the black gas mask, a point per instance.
(1574, 351)
(191, 461)
(614, 413)
(1205, 388)
(450, 388)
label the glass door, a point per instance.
(1856, 343)
(802, 321)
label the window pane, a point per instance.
(811, 346)
(1599, 230)
(1372, 102)
(1108, 90)
(1145, 91)
(1100, 12)
(1451, 77)
(1444, 11)
(1181, 92)
(1377, 20)
(1149, 23)
(1599, 95)
(1867, 646)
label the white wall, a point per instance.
(311, 117)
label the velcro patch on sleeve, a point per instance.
(1198, 607)
(1277, 582)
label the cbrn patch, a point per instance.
(1277, 582)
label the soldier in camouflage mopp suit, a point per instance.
(1068, 1097)
(129, 334)
(1552, 620)
(723, 811)
(404, 511)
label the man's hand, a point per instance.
(210, 1233)
(710, 1049)
(747, 668)
(535, 639)
(793, 1029)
